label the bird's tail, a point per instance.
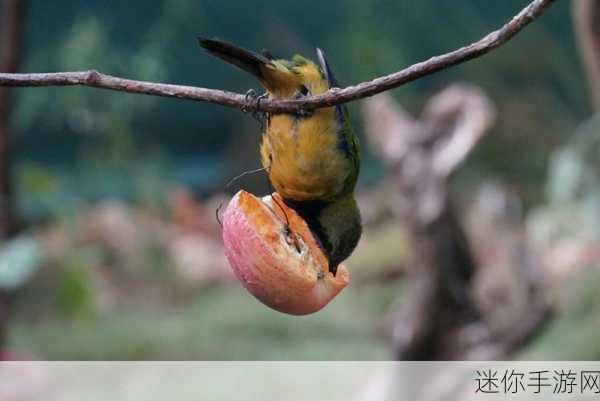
(246, 60)
(274, 76)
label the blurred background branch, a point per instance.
(336, 96)
(586, 20)
(11, 42)
(441, 319)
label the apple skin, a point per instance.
(283, 268)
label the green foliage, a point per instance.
(38, 190)
(73, 295)
(573, 212)
(573, 189)
(75, 292)
(222, 323)
(574, 172)
(36, 180)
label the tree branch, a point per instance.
(11, 38)
(586, 22)
(332, 97)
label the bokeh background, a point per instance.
(118, 254)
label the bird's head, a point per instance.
(336, 226)
(283, 79)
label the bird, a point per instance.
(312, 158)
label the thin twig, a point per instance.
(330, 98)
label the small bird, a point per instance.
(311, 157)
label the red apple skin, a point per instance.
(284, 269)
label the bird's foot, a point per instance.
(304, 113)
(260, 116)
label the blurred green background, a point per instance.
(86, 137)
(87, 159)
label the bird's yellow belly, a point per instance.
(303, 158)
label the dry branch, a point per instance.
(440, 318)
(11, 27)
(11, 38)
(586, 22)
(335, 96)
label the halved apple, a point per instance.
(276, 257)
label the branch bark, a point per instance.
(10, 54)
(442, 317)
(586, 21)
(421, 155)
(334, 96)
(11, 37)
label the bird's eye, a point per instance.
(304, 90)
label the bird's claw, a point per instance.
(304, 113)
(250, 95)
(260, 116)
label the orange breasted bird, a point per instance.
(312, 158)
